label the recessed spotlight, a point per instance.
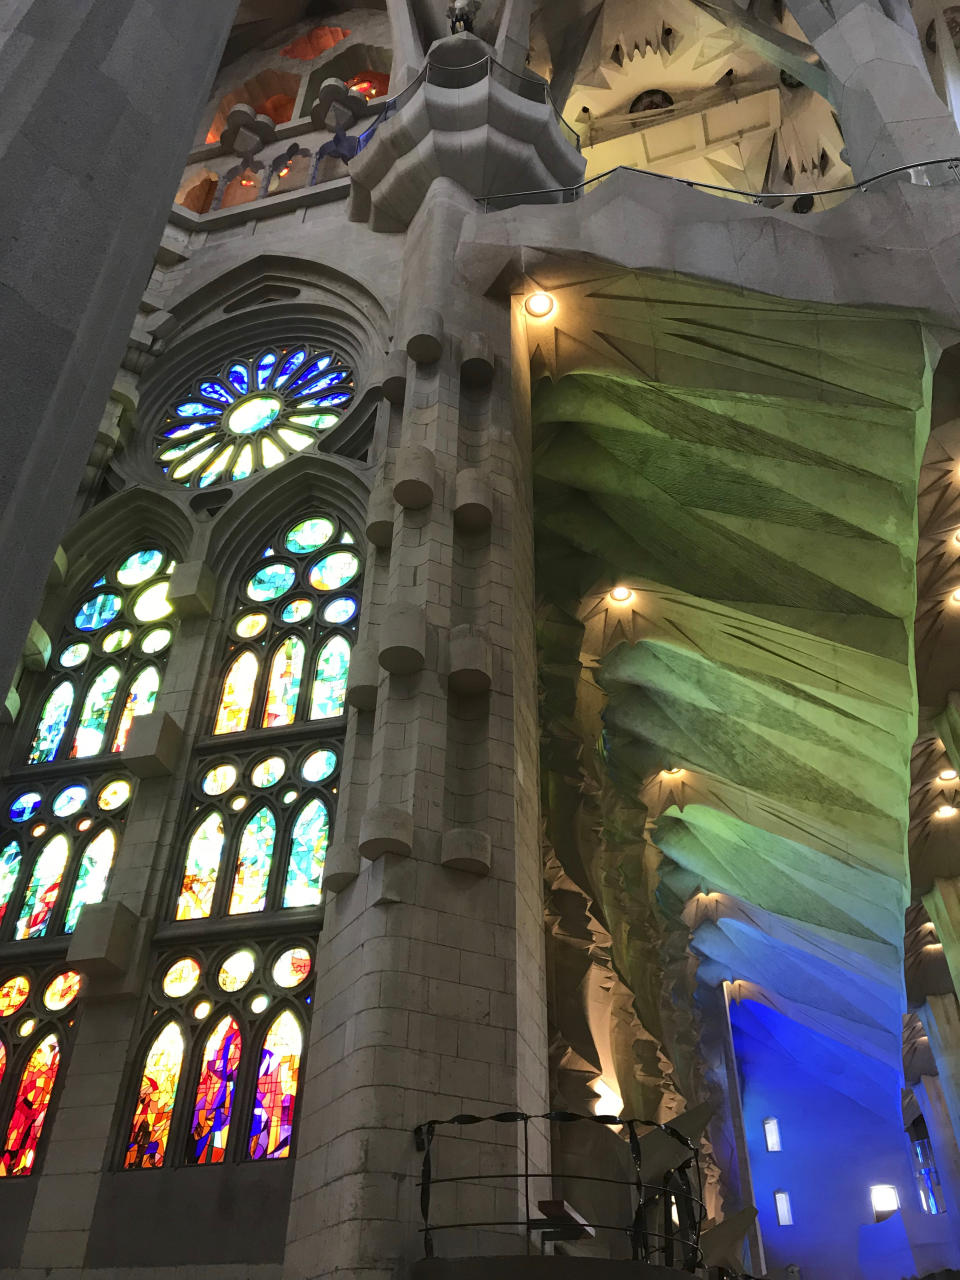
(621, 594)
(671, 773)
(955, 596)
(947, 775)
(946, 811)
(539, 305)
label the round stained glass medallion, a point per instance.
(334, 571)
(292, 968)
(114, 795)
(63, 990)
(268, 771)
(236, 971)
(97, 612)
(259, 1003)
(27, 1027)
(202, 1010)
(219, 779)
(253, 415)
(318, 766)
(156, 641)
(117, 640)
(297, 611)
(340, 610)
(271, 581)
(250, 625)
(309, 534)
(13, 994)
(69, 801)
(181, 978)
(152, 605)
(75, 654)
(25, 806)
(139, 567)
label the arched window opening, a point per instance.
(271, 93)
(213, 1109)
(30, 1109)
(155, 1100)
(277, 1081)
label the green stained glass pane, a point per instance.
(254, 415)
(238, 686)
(297, 611)
(178, 450)
(69, 801)
(216, 468)
(9, 870)
(268, 771)
(139, 567)
(75, 654)
(219, 779)
(51, 725)
(140, 700)
(330, 683)
(44, 886)
(243, 466)
(116, 641)
(308, 847)
(92, 725)
(156, 641)
(284, 688)
(319, 421)
(253, 863)
(271, 581)
(295, 439)
(318, 766)
(96, 613)
(334, 571)
(309, 534)
(92, 877)
(200, 869)
(193, 462)
(152, 604)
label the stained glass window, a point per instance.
(254, 414)
(155, 1101)
(213, 1108)
(30, 1108)
(253, 863)
(238, 689)
(277, 1081)
(202, 867)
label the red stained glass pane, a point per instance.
(30, 1109)
(277, 1082)
(158, 1092)
(207, 1143)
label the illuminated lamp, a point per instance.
(955, 596)
(946, 811)
(947, 775)
(621, 594)
(671, 773)
(539, 305)
(284, 171)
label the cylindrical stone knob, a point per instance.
(425, 340)
(380, 516)
(464, 849)
(471, 661)
(386, 829)
(476, 366)
(473, 501)
(362, 678)
(403, 640)
(341, 867)
(414, 476)
(394, 381)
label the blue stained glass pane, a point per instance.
(338, 397)
(192, 409)
(289, 367)
(96, 613)
(92, 877)
(238, 375)
(95, 714)
(265, 368)
(271, 581)
(52, 723)
(69, 801)
(216, 391)
(319, 384)
(25, 806)
(318, 766)
(100, 582)
(340, 611)
(308, 847)
(330, 684)
(253, 863)
(310, 372)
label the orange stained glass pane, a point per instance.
(207, 1143)
(284, 688)
(238, 688)
(30, 1109)
(13, 993)
(158, 1092)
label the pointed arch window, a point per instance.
(258, 823)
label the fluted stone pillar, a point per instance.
(940, 1016)
(943, 908)
(99, 101)
(930, 1098)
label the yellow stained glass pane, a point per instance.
(181, 978)
(63, 990)
(250, 625)
(238, 686)
(295, 439)
(284, 689)
(197, 460)
(271, 454)
(237, 970)
(152, 605)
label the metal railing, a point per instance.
(920, 176)
(666, 1215)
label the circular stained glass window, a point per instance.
(181, 978)
(254, 414)
(219, 779)
(271, 581)
(309, 534)
(334, 571)
(97, 612)
(237, 970)
(202, 1010)
(250, 625)
(139, 567)
(340, 610)
(114, 795)
(152, 605)
(75, 654)
(63, 990)
(25, 806)
(297, 611)
(27, 1027)
(268, 771)
(292, 968)
(156, 641)
(259, 1003)
(69, 801)
(13, 994)
(117, 640)
(318, 766)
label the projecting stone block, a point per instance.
(403, 640)
(471, 661)
(425, 340)
(473, 501)
(37, 648)
(342, 865)
(193, 589)
(476, 365)
(104, 941)
(386, 829)
(464, 849)
(363, 678)
(414, 476)
(393, 878)
(154, 745)
(394, 383)
(380, 517)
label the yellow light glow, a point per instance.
(955, 596)
(947, 775)
(672, 773)
(539, 305)
(202, 1010)
(609, 1102)
(39, 829)
(946, 811)
(621, 594)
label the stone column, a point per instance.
(930, 1098)
(941, 1021)
(430, 974)
(98, 106)
(943, 908)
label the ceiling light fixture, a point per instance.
(621, 594)
(946, 811)
(947, 775)
(539, 305)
